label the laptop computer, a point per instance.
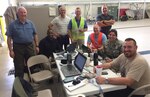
(85, 49)
(71, 48)
(76, 68)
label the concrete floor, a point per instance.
(138, 30)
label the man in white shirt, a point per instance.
(60, 23)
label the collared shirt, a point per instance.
(78, 23)
(21, 32)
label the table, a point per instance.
(89, 88)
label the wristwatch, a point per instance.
(106, 81)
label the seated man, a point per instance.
(133, 67)
(113, 46)
(49, 44)
(96, 40)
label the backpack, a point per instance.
(22, 88)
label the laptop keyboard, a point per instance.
(69, 70)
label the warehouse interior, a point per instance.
(132, 20)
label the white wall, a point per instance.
(4, 4)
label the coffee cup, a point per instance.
(98, 70)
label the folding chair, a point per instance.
(143, 90)
(43, 74)
(22, 88)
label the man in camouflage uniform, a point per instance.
(113, 46)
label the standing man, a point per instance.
(105, 21)
(133, 67)
(77, 26)
(96, 40)
(21, 34)
(60, 23)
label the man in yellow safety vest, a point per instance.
(76, 28)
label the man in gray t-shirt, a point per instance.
(133, 67)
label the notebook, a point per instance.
(76, 68)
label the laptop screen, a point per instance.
(71, 48)
(80, 61)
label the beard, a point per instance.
(129, 54)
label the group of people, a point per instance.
(108, 48)
(73, 30)
(120, 56)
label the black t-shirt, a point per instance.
(102, 17)
(48, 46)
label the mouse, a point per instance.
(76, 81)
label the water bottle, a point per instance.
(95, 59)
(69, 59)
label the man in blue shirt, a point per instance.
(21, 34)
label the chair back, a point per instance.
(39, 74)
(143, 90)
(37, 59)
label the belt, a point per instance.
(24, 44)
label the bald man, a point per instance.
(60, 26)
(21, 34)
(96, 40)
(105, 20)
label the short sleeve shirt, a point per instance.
(61, 24)
(21, 32)
(136, 68)
(105, 17)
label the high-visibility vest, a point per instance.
(96, 45)
(75, 29)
